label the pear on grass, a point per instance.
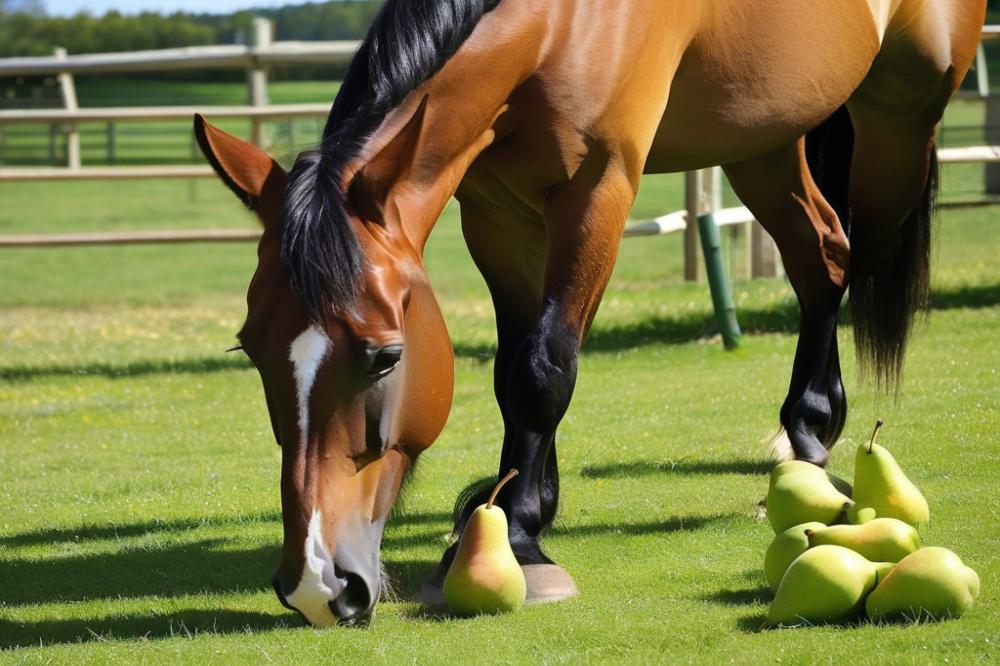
(485, 577)
(786, 546)
(824, 584)
(800, 492)
(878, 540)
(880, 484)
(931, 583)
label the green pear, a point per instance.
(931, 583)
(880, 484)
(878, 540)
(784, 549)
(824, 584)
(801, 492)
(485, 577)
(860, 516)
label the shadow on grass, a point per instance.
(754, 596)
(641, 468)
(142, 368)
(667, 526)
(195, 567)
(752, 624)
(145, 626)
(191, 568)
(406, 577)
(92, 532)
(117, 531)
(202, 567)
(781, 318)
(978, 296)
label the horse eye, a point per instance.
(383, 360)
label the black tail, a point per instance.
(885, 302)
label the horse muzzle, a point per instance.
(339, 589)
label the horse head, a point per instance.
(354, 394)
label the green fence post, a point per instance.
(722, 300)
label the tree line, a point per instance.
(25, 29)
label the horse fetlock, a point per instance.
(809, 416)
(528, 550)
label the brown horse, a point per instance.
(541, 117)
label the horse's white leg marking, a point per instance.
(319, 584)
(779, 448)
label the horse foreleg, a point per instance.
(583, 220)
(560, 287)
(780, 191)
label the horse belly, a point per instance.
(760, 75)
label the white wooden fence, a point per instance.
(702, 188)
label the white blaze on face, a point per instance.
(319, 584)
(306, 353)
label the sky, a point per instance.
(97, 7)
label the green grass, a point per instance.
(138, 474)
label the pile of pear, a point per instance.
(842, 553)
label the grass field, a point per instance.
(138, 475)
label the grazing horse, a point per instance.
(540, 117)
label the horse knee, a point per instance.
(542, 377)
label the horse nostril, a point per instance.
(354, 605)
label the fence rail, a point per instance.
(90, 115)
(228, 56)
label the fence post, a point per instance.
(263, 34)
(694, 204)
(982, 72)
(68, 91)
(722, 298)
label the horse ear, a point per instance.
(248, 171)
(390, 165)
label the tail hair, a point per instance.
(886, 302)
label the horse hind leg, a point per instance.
(783, 195)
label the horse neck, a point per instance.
(425, 173)
(456, 112)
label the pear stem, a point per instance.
(510, 475)
(878, 426)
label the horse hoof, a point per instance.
(545, 583)
(431, 596)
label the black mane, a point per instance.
(409, 41)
